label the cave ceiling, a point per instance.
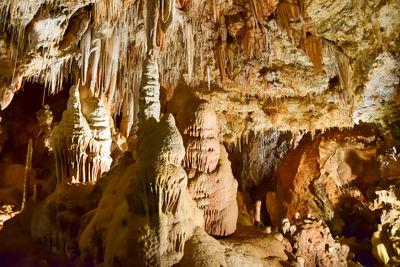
(287, 65)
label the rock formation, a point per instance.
(153, 205)
(314, 177)
(215, 194)
(386, 240)
(82, 140)
(273, 124)
(164, 184)
(99, 147)
(149, 92)
(211, 182)
(70, 141)
(313, 242)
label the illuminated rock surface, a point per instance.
(199, 133)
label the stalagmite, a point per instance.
(99, 148)
(257, 213)
(160, 151)
(70, 140)
(127, 115)
(27, 178)
(149, 92)
(211, 182)
(202, 140)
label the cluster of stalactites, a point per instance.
(82, 141)
(211, 182)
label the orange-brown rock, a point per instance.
(295, 174)
(319, 173)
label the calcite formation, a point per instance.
(215, 195)
(81, 142)
(313, 242)
(301, 96)
(271, 58)
(202, 140)
(70, 141)
(162, 200)
(99, 147)
(152, 205)
(211, 182)
(149, 92)
(386, 239)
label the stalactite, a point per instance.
(166, 9)
(94, 63)
(208, 78)
(110, 67)
(309, 43)
(214, 8)
(86, 43)
(312, 46)
(127, 115)
(284, 12)
(189, 45)
(268, 46)
(221, 53)
(340, 65)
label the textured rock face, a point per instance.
(381, 91)
(45, 118)
(82, 141)
(313, 242)
(316, 176)
(256, 156)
